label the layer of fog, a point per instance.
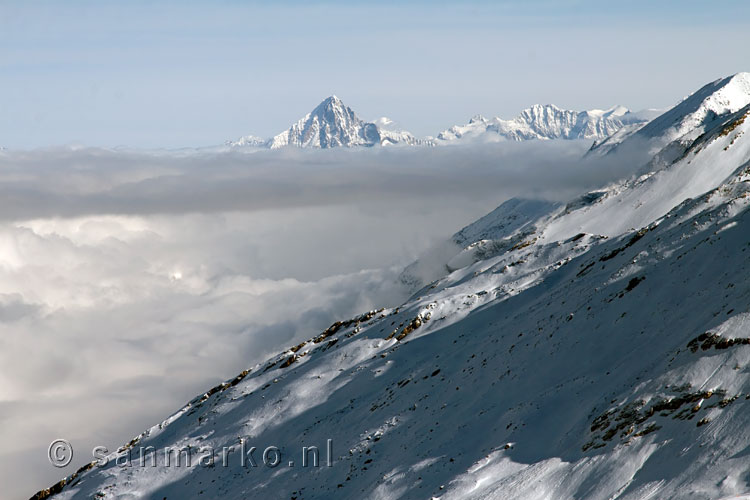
(130, 282)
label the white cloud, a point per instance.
(131, 282)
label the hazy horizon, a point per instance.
(170, 75)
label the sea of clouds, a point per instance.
(132, 281)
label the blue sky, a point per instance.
(172, 74)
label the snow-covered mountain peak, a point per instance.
(333, 124)
(332, 103)
(538, 109)
(616, 110)
(544, 121)
(330, 124)
(248, 141)
(477, 119)
(668, 135)
(719, 97)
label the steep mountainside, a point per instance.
(682, 124)
(597, 350)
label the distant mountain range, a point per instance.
(332, 124)
(548, 122)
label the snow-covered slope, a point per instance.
(546, 122)
(687, 120)
(490, 233)
(597, 349)
(711, 158)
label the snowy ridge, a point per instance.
(597, 349)
(688, 119)
(546, 122)
(333, 124)
(720, 97)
